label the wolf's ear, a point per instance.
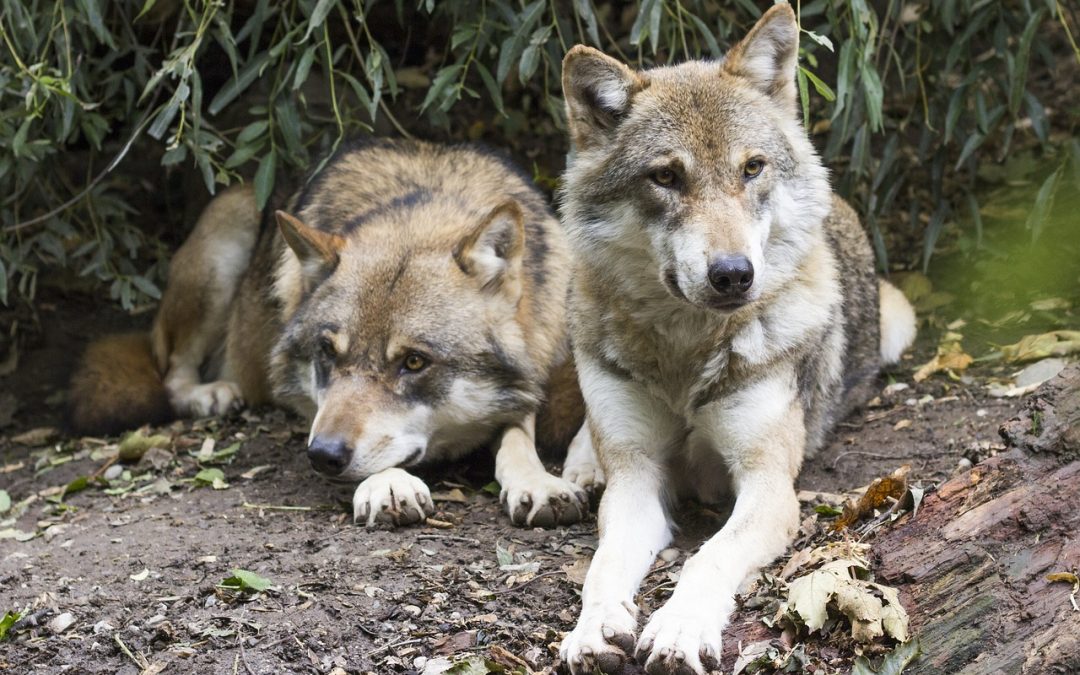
(492, 252)
(314, 248)
(768, 55)
(598, 90)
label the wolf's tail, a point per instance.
(562, 413)
(117, 386)
(897, 318)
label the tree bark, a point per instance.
(971, 566)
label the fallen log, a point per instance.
(972, 566)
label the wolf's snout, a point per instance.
(732, 275)
(328, 455)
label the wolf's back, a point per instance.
(117, 386)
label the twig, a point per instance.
(449, 537)
(523, 584)
(243, 654)
(391, 645)
(140, 662)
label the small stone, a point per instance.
(669, 555)
(963, 464)
(61, 622)
(103, 626)
(113, 472)
(412, 610)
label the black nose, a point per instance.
(329, 456)
(731, 275)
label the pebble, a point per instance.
(669, 555)
(964, 464)
(61, 622)
(113, 472)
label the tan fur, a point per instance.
(395, 250)
(116, 381)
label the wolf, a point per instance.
(410, 299)
(724, 313)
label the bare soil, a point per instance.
(138, 570)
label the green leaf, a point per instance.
(252, 131)
(804, 96)
(5, 501)
(92, 12)
(822, 88)
(318, 16)
(493, 488)
(875, 96)
(264, 179)
(827, 510)
(1018, 76)
(494, 91)
(303, 67)
(78, 484)
(211, 476)
(146, 286)
(239, 84)
(7, 622)
(134, 445)
(245, 582)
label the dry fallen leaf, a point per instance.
(950, 357)
(877, 495)
(1034, 347)
(837, 584)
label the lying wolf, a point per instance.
(410, 301)
(725, 314)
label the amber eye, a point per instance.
(753, 168)
(414, 363)
(664, 178)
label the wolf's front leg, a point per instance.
(632, 432)
(391, 497)
(531, 495)
(759, 432)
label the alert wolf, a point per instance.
(725, 313)
(410, 300)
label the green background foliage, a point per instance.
(101, 102)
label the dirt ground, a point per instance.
(133, 562)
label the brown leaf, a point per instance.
(576, 571)
(452, 644)
(950, 357)
(877, 495)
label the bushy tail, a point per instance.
(117, 387)
(897, 318)
(562, 413)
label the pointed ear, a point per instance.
(768, 56)
(314, 248)
(598, 90)
(492, 252)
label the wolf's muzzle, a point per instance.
(329, 456)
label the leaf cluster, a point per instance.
(902, 97)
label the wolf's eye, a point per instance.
(327, 348)
(753, 168)
(414, 363)
(665, 178)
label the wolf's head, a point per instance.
(407, 344)
(699, 173)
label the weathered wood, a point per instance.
(972, 565)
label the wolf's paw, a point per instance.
(602, 638)
(539, 499)
(391, 497)
(588, 476)
(682, 640)
(213, 398)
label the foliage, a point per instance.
(913, 94)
